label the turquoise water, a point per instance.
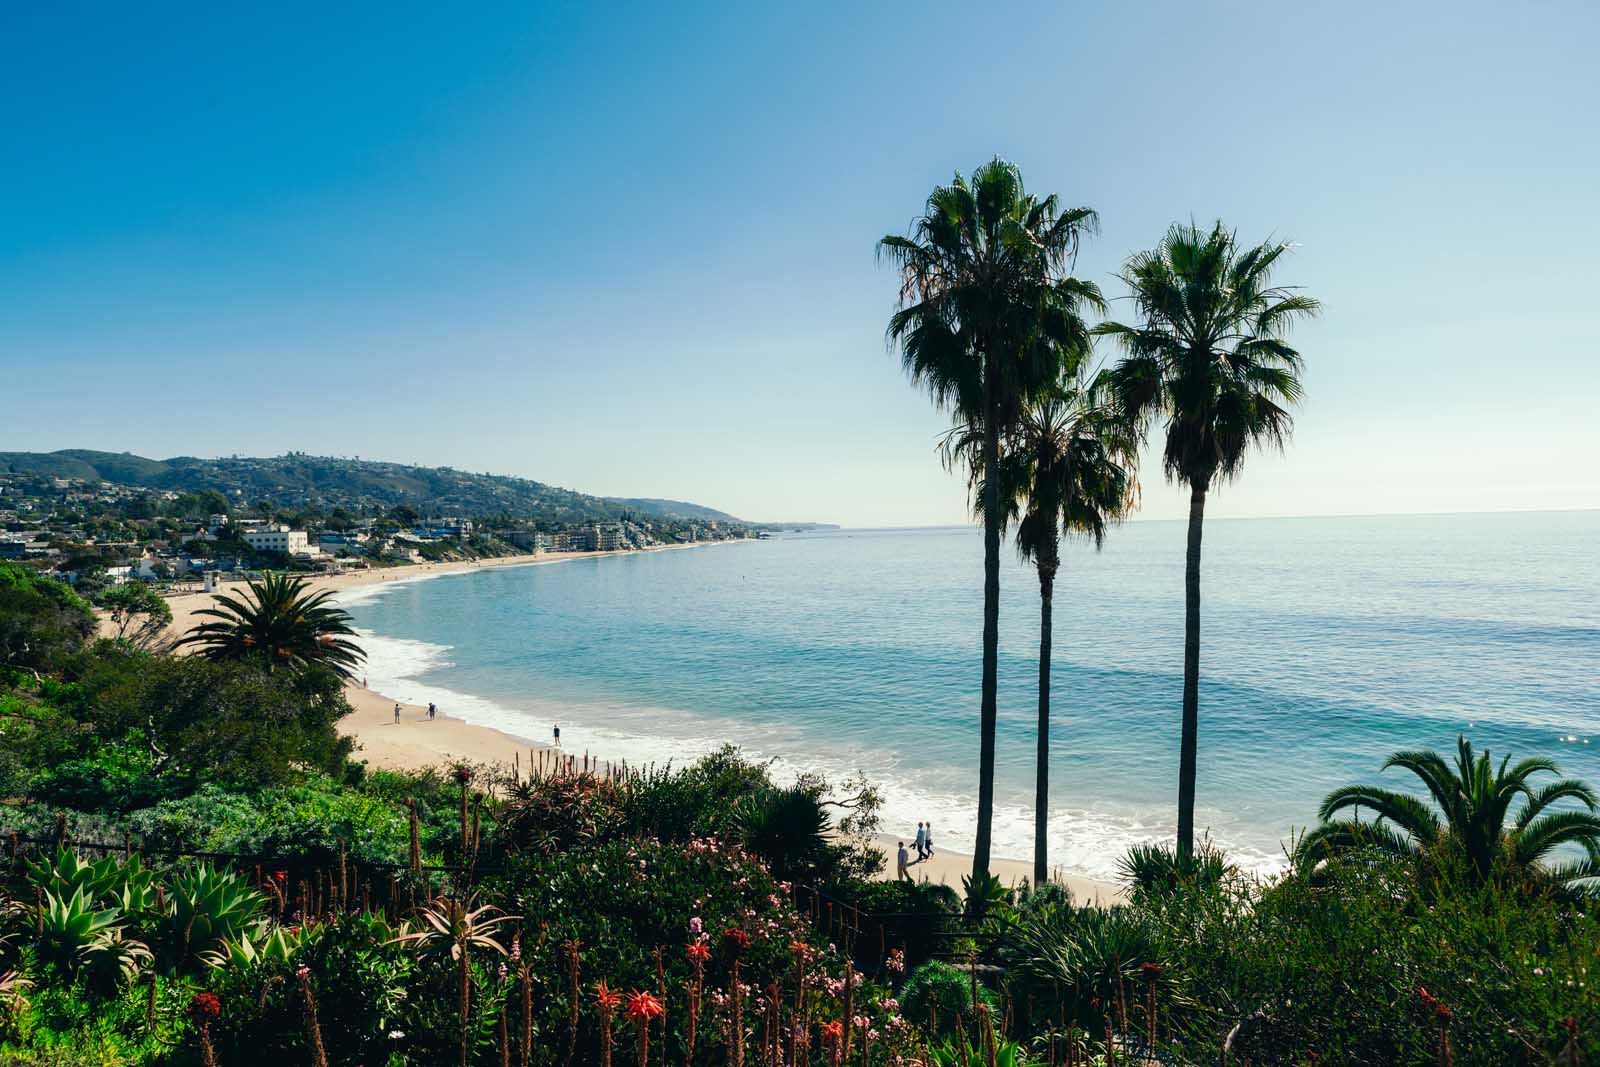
(1326, 644)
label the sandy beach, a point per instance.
(416, 742)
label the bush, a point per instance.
(939, 992)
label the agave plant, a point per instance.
(69, 926)
(1474, 800)
(206, 904)
(264, 943)
(113, 959)
(103, 880)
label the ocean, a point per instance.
(1327, 643)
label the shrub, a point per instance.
(939, 992)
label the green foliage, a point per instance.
(940, 995)
(202, 720)
(69, 925)
(118, 776)
(42, 621)
(1160, 869)
(786, 827)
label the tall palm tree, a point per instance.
(986, 309)
(1208, 357)
(1474, 801)
(1076, 475)
(1067, 467)
(279, 625)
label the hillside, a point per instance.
(299, 481)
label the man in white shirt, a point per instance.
(900, 871)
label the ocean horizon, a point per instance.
(1327, 643)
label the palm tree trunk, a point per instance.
(991, 620)
(1041, 792)
(1188, 752)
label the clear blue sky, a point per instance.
(630, 251)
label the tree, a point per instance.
(1208, 357)
(140, 614)
(986, 310)
(281, 625)
(41, 620)
(1075, 474)
(1067, 467)
(1474, 801)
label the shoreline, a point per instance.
(415, 743)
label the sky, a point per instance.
(630, 250)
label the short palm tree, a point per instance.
(986, 309)
(1069, 467)
(1208, 358)
(1474, 800)
(279, 625)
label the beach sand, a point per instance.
(415, 742)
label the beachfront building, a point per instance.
(277, 538)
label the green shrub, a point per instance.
(942, 994)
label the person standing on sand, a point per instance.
(921, 843)
(900, 865)
(558, 736)
(432, 709)
(397, 714)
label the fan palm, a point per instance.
(280, 625)
(986, 310)
(1207, 357)
(1474, 800)
(1067, 467)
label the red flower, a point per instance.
(463, 775)
(642, 1007)
(204, 1006)
(833, 1032)
(1427, 998)
(1151, 969)
(698, 952)
(737, 936)
(605, 998)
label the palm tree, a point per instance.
(1208, 357)
(986, 309)
(1067, 467)
(1474, 801)
(280, 624)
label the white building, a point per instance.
(278, 539)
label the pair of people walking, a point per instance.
(923, 843)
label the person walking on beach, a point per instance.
(431, 710)
(397, 714)
(558, 736)
(921, 843)
(927, 842)
(900, 865)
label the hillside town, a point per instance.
(99, 533)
